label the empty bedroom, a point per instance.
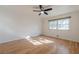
(39, 29)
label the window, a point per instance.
(53, 25)
(60, 24)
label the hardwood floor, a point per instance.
(40, 45)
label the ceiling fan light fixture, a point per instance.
(42, 12)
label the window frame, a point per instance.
(57, 28)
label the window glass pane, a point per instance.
(61, 24)
(52, 24)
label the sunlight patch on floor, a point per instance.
(39, 41)
(46, 41)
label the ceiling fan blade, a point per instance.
(40, 6)
(48, 9)
(36, 10)
(46, 13)
(39, 14)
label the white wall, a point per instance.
(72, 34)
(16, 25)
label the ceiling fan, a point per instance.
(42, 10)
